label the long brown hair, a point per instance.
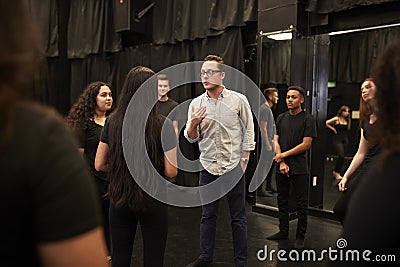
(386, 73)
(365, 108)
(348, 119)
(20, 55)
(123, 189)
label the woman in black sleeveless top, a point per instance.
(340, 126)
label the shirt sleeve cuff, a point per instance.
(188, 138)
(249, 147)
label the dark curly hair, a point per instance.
(84, 107)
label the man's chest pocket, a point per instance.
(229, 119)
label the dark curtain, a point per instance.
(250, 10)
(179, 20)
(164, 56)
(275, 64)
(90, 49)
(352, 55)
(91, 28)
(53, 80)
(329, 6)
(92, 68)
(128, 58)
(229, 46)
(163, 21)
(187, 20)
(45, 13)
(220, 9)
(112, 68)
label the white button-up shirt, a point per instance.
(225, 132)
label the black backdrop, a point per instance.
(82, 44)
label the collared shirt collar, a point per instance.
(225, 92)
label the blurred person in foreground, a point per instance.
(372, 223)
(50, 212)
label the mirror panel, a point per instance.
(273, 71)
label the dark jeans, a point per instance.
(340, 150)
(299, 185)
(154, 227)
(269, 178)
(236, 200)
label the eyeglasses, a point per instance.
(209, 73)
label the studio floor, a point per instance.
(183, 238)
(183, 235)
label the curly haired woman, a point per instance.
(86, 118)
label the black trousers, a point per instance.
(340, 149)
(298, 184)
(341, 205)
(154, 227)
(105, 207)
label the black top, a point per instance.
(373, 148)
(46, 192)
(291, 129)
(266, 115)
(165, 108)
(341, 134)
(89, 140)
(371, 222)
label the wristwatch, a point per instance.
(245, 160)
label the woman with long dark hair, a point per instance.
(130, 204)
(367, 151)
(340, 126)
(86, 119)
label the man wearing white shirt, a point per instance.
(221, 121)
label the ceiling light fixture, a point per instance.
(279, 35)
(364, 29)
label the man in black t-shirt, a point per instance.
(267, 129)
(165, 104)
(295, 130)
